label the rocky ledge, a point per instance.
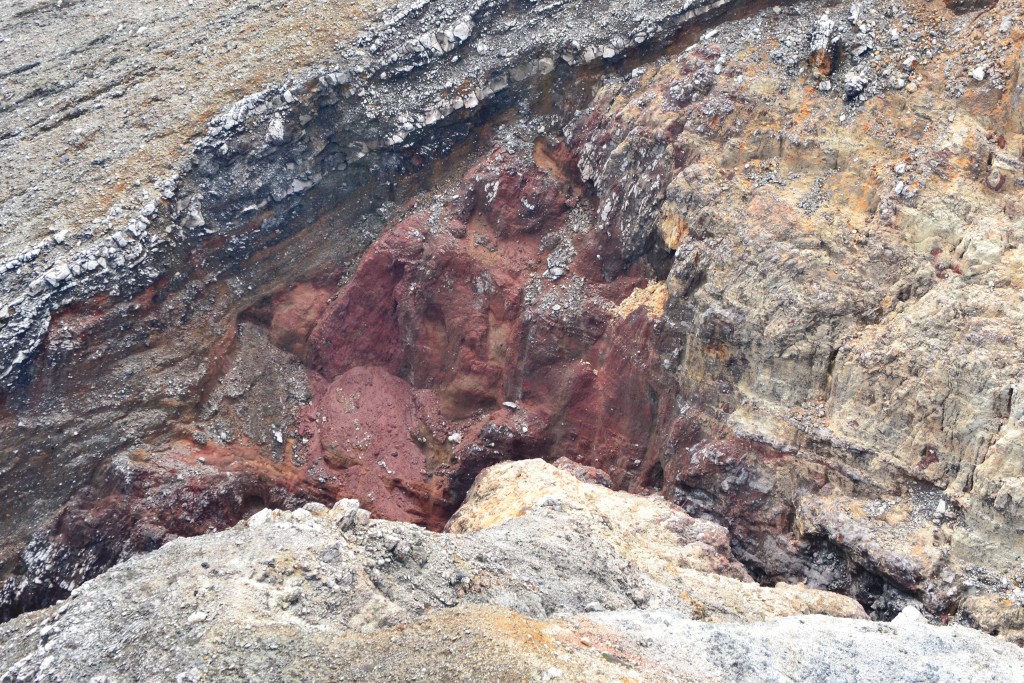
(539, 577)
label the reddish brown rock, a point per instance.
(447, 352)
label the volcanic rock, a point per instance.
(646, 241)
(503, 598)
(824, 46)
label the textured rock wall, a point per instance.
(119, 331)
(842, 305)
(775, 283)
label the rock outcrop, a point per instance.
(649, 241)
(118, 328)
(540, 578)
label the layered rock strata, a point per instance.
(114, 326)
(710, 271)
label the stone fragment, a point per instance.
(57, 274)
(260, 518)
(316, 509)
(275, 131)
(463, 29)
(344, 513)
(855, 10)
(854, 84)
(824, 46)
(995, 180)
(194, 217)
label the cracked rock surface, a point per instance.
(330, 594)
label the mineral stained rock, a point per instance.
(646, 239)
(540, 577)
(824, 47)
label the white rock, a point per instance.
(346, 513)
(57, 274)
(463, 30)
(275, 132)
(194, 218)
(260, 518)
(345, 504)
(909, 616)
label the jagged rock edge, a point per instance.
(374, 90)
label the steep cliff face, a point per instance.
(146, 394)
(762, 260)
(844, 305)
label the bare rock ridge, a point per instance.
(331, 594)
(767, 266)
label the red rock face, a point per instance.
(381, 438)
(488, 327)
(473, 331)
(455, 346)
(495, 324)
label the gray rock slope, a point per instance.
(573, 583)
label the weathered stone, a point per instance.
(477, 605)
(57, 274)
(751, 321)
(824, 46)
